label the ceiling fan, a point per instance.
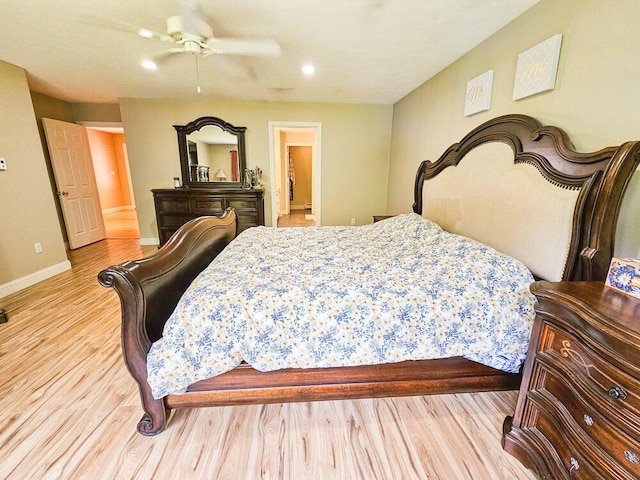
(191, 34)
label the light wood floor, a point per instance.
(121, 224)
(68, 409)
(296, 218)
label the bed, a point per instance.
(511, 184)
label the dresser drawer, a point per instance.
(167, 205)
(617, 389)
(589, 420)
(247, 220)
(569, 453)
(243, 204)
(207, 205)
(174, 220)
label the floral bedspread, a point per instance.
(399, 289)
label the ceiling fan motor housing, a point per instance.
(179, 27)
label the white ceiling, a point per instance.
(365, 51)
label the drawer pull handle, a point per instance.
(588, 420)
(617, 392)
(632, 457)
(574, 465)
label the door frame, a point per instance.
(275, 129)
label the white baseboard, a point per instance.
(296, 207)
(149, 241)
(33, 278)
(122, 208)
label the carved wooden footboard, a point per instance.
(149, 290)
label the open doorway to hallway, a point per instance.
(113, 179)
(295, 173)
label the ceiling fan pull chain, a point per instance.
(197, 75)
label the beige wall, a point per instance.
(27, 209)
(596, 97)
(355, 150)
(96, 112)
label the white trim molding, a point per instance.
(122, 208)
(150, 241)
(33, 278)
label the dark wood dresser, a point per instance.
(176, 206)
(578, 410)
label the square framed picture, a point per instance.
(478, 96)
(537, 68)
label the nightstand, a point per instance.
(578, 410)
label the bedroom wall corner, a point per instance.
(27, 208)
(596, 85)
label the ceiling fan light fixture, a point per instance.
(143, 32)
(149, 64)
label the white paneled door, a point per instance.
(75, 181)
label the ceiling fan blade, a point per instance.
(264, 47)
(164, 57)
(124, 26)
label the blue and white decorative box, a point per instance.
(624, 275)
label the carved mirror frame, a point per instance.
(197, 124)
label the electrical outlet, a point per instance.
(353, 221)
(38, 247)
(3, 164)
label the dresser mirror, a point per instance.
(212, 153)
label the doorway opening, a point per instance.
(113, 179)
(295, 173)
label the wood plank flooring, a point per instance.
(121, 224)
(296, 218)
(69, 409)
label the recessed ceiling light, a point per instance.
(143, 32)
(149, 65)
(308, 69)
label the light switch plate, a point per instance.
(3, 164)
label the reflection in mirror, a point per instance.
(211, 153)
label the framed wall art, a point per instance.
(478, 96)
(537, 68)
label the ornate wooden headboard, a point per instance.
(559, 218)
